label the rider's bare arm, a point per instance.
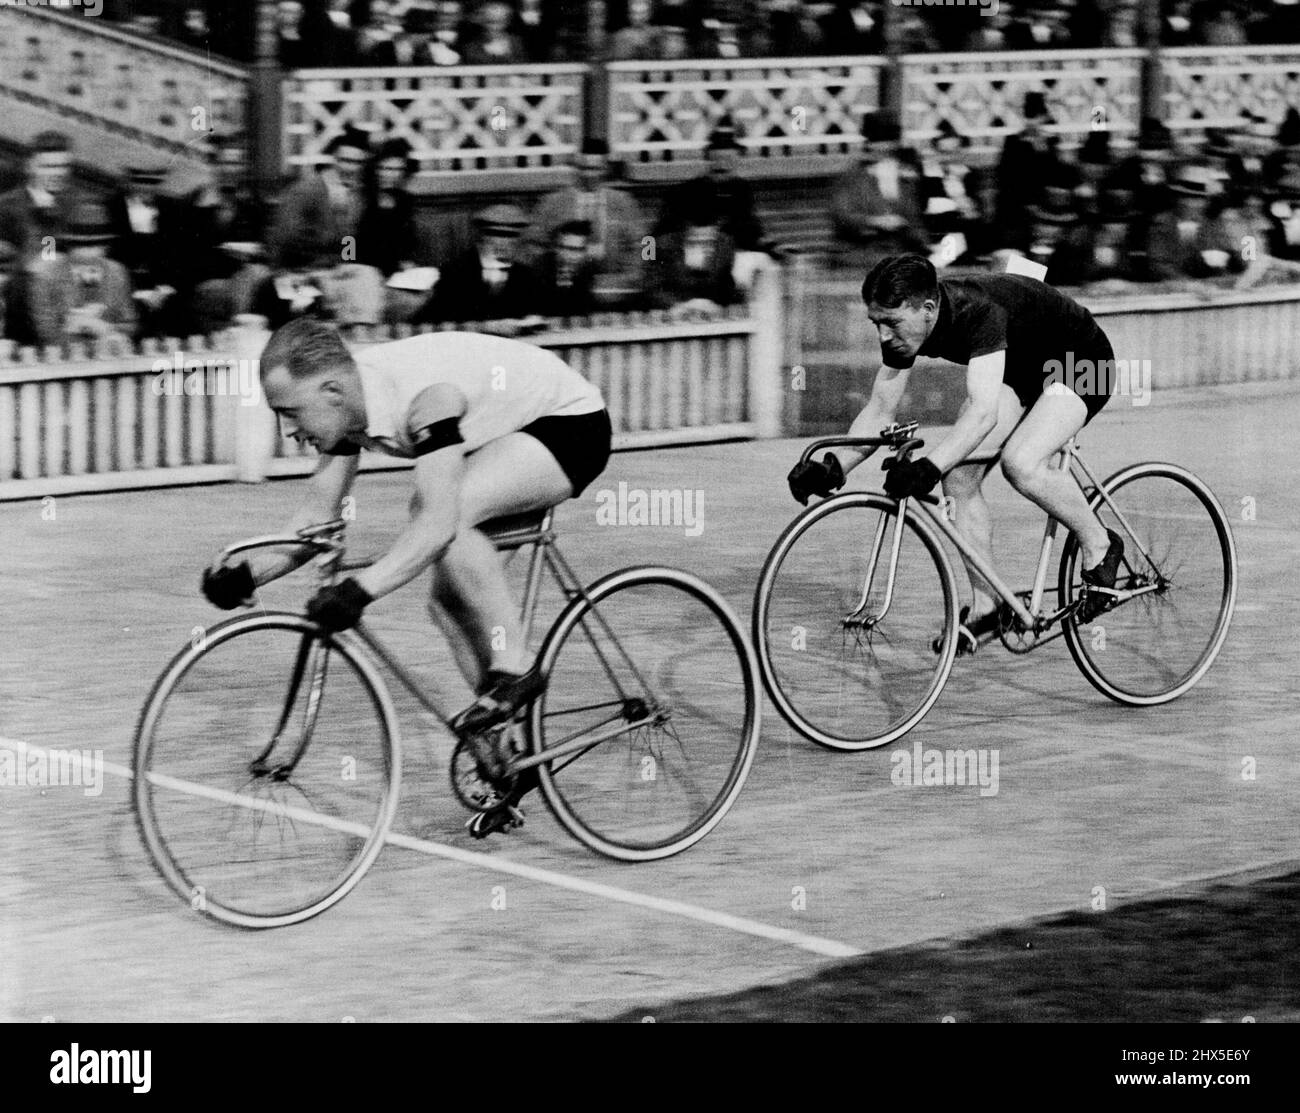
(886, 397)
(977, 421)
(326, 488)
(439, 472)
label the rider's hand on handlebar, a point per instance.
(816, 478)
(229, 588)
(339, 606)
(910, 478)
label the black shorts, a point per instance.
(1092, 387)
(580, 444)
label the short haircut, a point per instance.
(572, 228)
(305, 347)
(50, 142)
(899, 279)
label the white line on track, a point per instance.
(828, 948)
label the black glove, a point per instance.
(339, 607)
(911, 478)
(229, 588)
(813, 478)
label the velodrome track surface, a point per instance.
(1091, 794)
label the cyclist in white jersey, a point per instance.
(495, 426)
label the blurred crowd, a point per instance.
(500, 32)
(1165, 209)
(345, 241)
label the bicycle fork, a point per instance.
(312, 656)
(857, 619)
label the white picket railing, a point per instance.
(189, 412)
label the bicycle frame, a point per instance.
(544, 555)
(1031, 617)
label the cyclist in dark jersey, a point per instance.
(1039, 368)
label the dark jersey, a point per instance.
(1029, 320)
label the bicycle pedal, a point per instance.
(507, 818)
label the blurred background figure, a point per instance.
(411, 46)
(495, 44)
(1094, 165)
(388, 234)
(854, 27)
(84, 295)
(567, 273)
(613, 217)
(950, 210)
(318, 224)
(1054, 240)
(1187, 242)
(877, 207)
(720, 189)
(33, 219)
(145, 226)
(222, 227)
(491, 281)
(1029, 159)
(692, 269)
(639, 38)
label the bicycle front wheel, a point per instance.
(652, 711)
(846, 669)
(1180, 563)
(267, 767)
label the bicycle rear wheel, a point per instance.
(653, 690)
(843, 675)
(267, 767)
(1180, 558)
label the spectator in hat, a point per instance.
(1103, 249)
(567, 274)
(83, 295)
(878, 206)
(495, 44)
(412, 45)
(1028, 160)
(534, 27)
(144, 226)
(491, 281)
(616, 224)
(1254, 145)
(1053, 238)
(693, 264)
(221, 228)
(1186, 242)
(949, 207)
(1145, 175)
(993, 32)
(719, 189)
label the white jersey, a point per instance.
(508, 384)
